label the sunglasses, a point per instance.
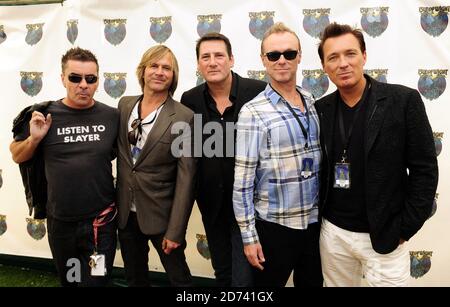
(75, 78)
(137, 129)
(275, 55)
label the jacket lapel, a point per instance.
(375, 114)
(162, 123)
(128, 108)
(327, 123)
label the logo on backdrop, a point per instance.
(260, 22)
(161, 28)
(315, 21)
(200, 78)
(2, 34)
(434, 20)
(36, 228)
(432, 82)
(3, 226)
(420, 263)
(115, 83)
(72, 30)
(34, 33)
(258, 75)
(438, 142)
(316, 82)
(31, 82)
(208, 23)
(115, 30)
(374, 20)
(434, 208)
(377, 74)
(202, 246)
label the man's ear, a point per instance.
(62, 80)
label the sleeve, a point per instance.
(250, 136)
(21, 125)
(422, 166)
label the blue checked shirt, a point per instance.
(270, 148)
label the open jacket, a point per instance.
(400, 165)
(160, 184)
(212, 192)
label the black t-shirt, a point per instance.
(78, 150)
(346, 208)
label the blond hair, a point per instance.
(279, 27)
(153, 55)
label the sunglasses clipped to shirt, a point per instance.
(75, 78)
(275, 55)
(136, 125)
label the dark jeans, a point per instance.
(230, 265)
(75, 240)
(135, 249)
(287, 249)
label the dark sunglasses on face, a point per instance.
(133, 134)
(75, 78)
(275, 55)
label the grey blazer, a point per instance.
(161, 185)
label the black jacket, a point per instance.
(211, 192)
(400, 165)
(33, 170)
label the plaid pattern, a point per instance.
(269, 153)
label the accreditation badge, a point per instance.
(98, 265)
(307, 167)
(342, 176)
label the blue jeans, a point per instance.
(76, 240)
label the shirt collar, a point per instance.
(275, 98)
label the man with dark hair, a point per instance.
(75, 138)
(276, 187)
(218, 101)
(155, 186)
(379, 171)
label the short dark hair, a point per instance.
(78, 54)
(213, 36)
(334, 30)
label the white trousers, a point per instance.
(348, 256)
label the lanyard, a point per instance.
(304, 131)
(99, 221)
(346, 138)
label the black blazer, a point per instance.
(211, 191)
(400, 165)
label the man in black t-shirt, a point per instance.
(75, 137)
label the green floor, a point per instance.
(11, 276)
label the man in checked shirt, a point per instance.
(276, 187)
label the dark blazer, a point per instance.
(161, 184)
(400, 165)
(211, 191)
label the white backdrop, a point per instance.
(408, 42)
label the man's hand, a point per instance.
(168, 246)
(24, 150)
(255, 255)
(39, 126)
